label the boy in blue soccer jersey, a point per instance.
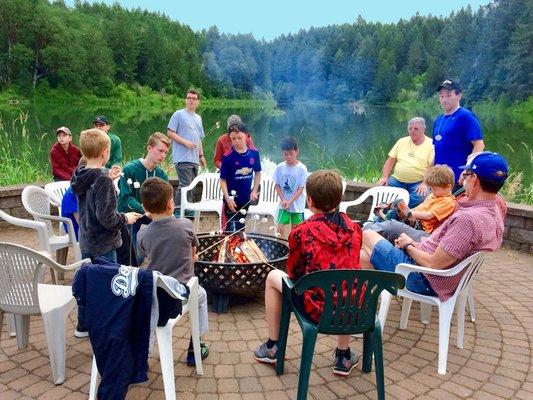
(240, 174)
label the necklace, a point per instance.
(444, 121)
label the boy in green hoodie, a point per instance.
(134, 174)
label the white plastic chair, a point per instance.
(37, 202)
(268, 202)
(23, 293)
(57, 190)
(211, 200)
(164, 342)
(469, 267)
(380, 194)
(308, 213)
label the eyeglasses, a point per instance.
(192, 98)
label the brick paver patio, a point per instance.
(495, 363)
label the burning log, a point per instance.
(238, 250)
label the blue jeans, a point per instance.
(385, 257)
(82, 316)
(414, 198)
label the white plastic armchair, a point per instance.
(379, 194)
(57, 190)
(23, 293)
(469, 268)
(211, 200)
(268, 203)
(164, 342)
(37, 202)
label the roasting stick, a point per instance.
(220, 241)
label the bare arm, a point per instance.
(229, 200)
(479, 145)
(441, 259)
(255, 188)
(386, 171)
(201, 156)
(178, 139)
(423, 215)
(194, 254)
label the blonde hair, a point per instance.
(324, 187)
(158, 137)
(440, 176)
(93, 142)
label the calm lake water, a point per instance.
(329, 136)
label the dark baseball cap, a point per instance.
(100, 119)
(450, 84)
(489, 166)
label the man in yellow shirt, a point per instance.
(408, 161)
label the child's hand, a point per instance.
(190, 145)
(285, 204)
(231, 204)
(253, 195)
(132, 217)
(114, 172)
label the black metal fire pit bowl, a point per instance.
(224, 279)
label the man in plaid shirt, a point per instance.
(476, 225)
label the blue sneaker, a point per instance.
(265, 355)
(204, 351)
(343, 366)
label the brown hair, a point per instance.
(155, 194)
(158, 137)
(324, 187)
(93, 142)
(440, 176)
(193, 91)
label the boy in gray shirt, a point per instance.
(170, 245)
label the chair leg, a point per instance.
(406, 309)
(55, 330)
(471, 304)
(368, 351)
(166, 357)
(282, 339)
(10, 322)
(308, 349)
(196, 221)
(445, 319)
(93, 382)
(378, 360)
(22, 328)
(460, 307)
(425, 313)
(386, 298)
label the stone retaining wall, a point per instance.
(518, 223)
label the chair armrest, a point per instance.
(345, 204)
(71, 267)
(287, 283)
(405, 269)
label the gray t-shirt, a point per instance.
(167, 243)
(290, 179)
(189, 126)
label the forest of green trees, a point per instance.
(92, 48)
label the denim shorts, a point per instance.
(385, 257)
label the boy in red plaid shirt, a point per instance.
(327, 240)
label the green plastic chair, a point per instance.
(344, 318)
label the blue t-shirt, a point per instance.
(237, 169)
(69, 206)
(189, 126)
(452, 138)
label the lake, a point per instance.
(329, 135)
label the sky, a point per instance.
(270, 18)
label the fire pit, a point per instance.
(223, 279)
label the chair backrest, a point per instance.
(211, 186)
(351, 309)
(268, 191)
(37, 202)
(57, 190)
(21, 269)
(384, 194)
(471, 266)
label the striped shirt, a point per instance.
(475, 226)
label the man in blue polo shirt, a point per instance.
(456, 133)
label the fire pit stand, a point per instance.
(244, 279)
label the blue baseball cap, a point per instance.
(489, 166)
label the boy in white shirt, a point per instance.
(290, 176)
